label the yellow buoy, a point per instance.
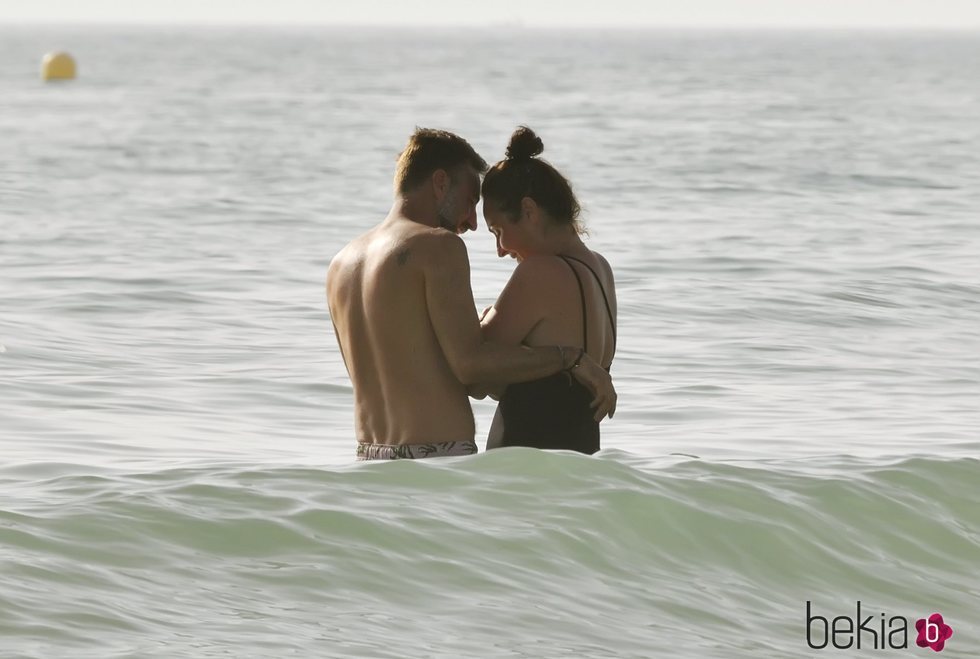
(57, 66)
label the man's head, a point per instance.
(444, 167)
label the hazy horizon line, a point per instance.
(633, 27)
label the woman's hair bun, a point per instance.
(524, 144)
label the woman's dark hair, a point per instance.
(522, 174)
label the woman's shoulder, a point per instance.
(540, 265)
(604, 271)
(603, 263)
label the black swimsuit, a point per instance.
(554, 412)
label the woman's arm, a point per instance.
(510, 319)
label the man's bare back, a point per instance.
(376, 290)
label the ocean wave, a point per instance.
(615, 556)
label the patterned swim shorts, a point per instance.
(371, 451)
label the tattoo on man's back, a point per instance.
(402, 256)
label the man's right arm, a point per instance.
(452, 312)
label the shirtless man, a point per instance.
(405, 318)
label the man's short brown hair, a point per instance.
(428, 150)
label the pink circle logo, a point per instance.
(933, 632)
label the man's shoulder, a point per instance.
(353, 249)
(437, 246)
(435, 238)
(345, 263)
(416, 246)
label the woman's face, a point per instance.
(511, 236)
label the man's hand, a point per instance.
(597, 380)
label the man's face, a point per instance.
(457, 213)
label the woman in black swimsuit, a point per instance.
(561, 292)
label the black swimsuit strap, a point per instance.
(581, 294)
(605, 299)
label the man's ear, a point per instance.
(441, 181)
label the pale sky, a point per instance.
(533, 13)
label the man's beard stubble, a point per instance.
(448, 210)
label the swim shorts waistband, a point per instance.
(372, 451)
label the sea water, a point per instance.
(793, 219)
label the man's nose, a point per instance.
(501, 252)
